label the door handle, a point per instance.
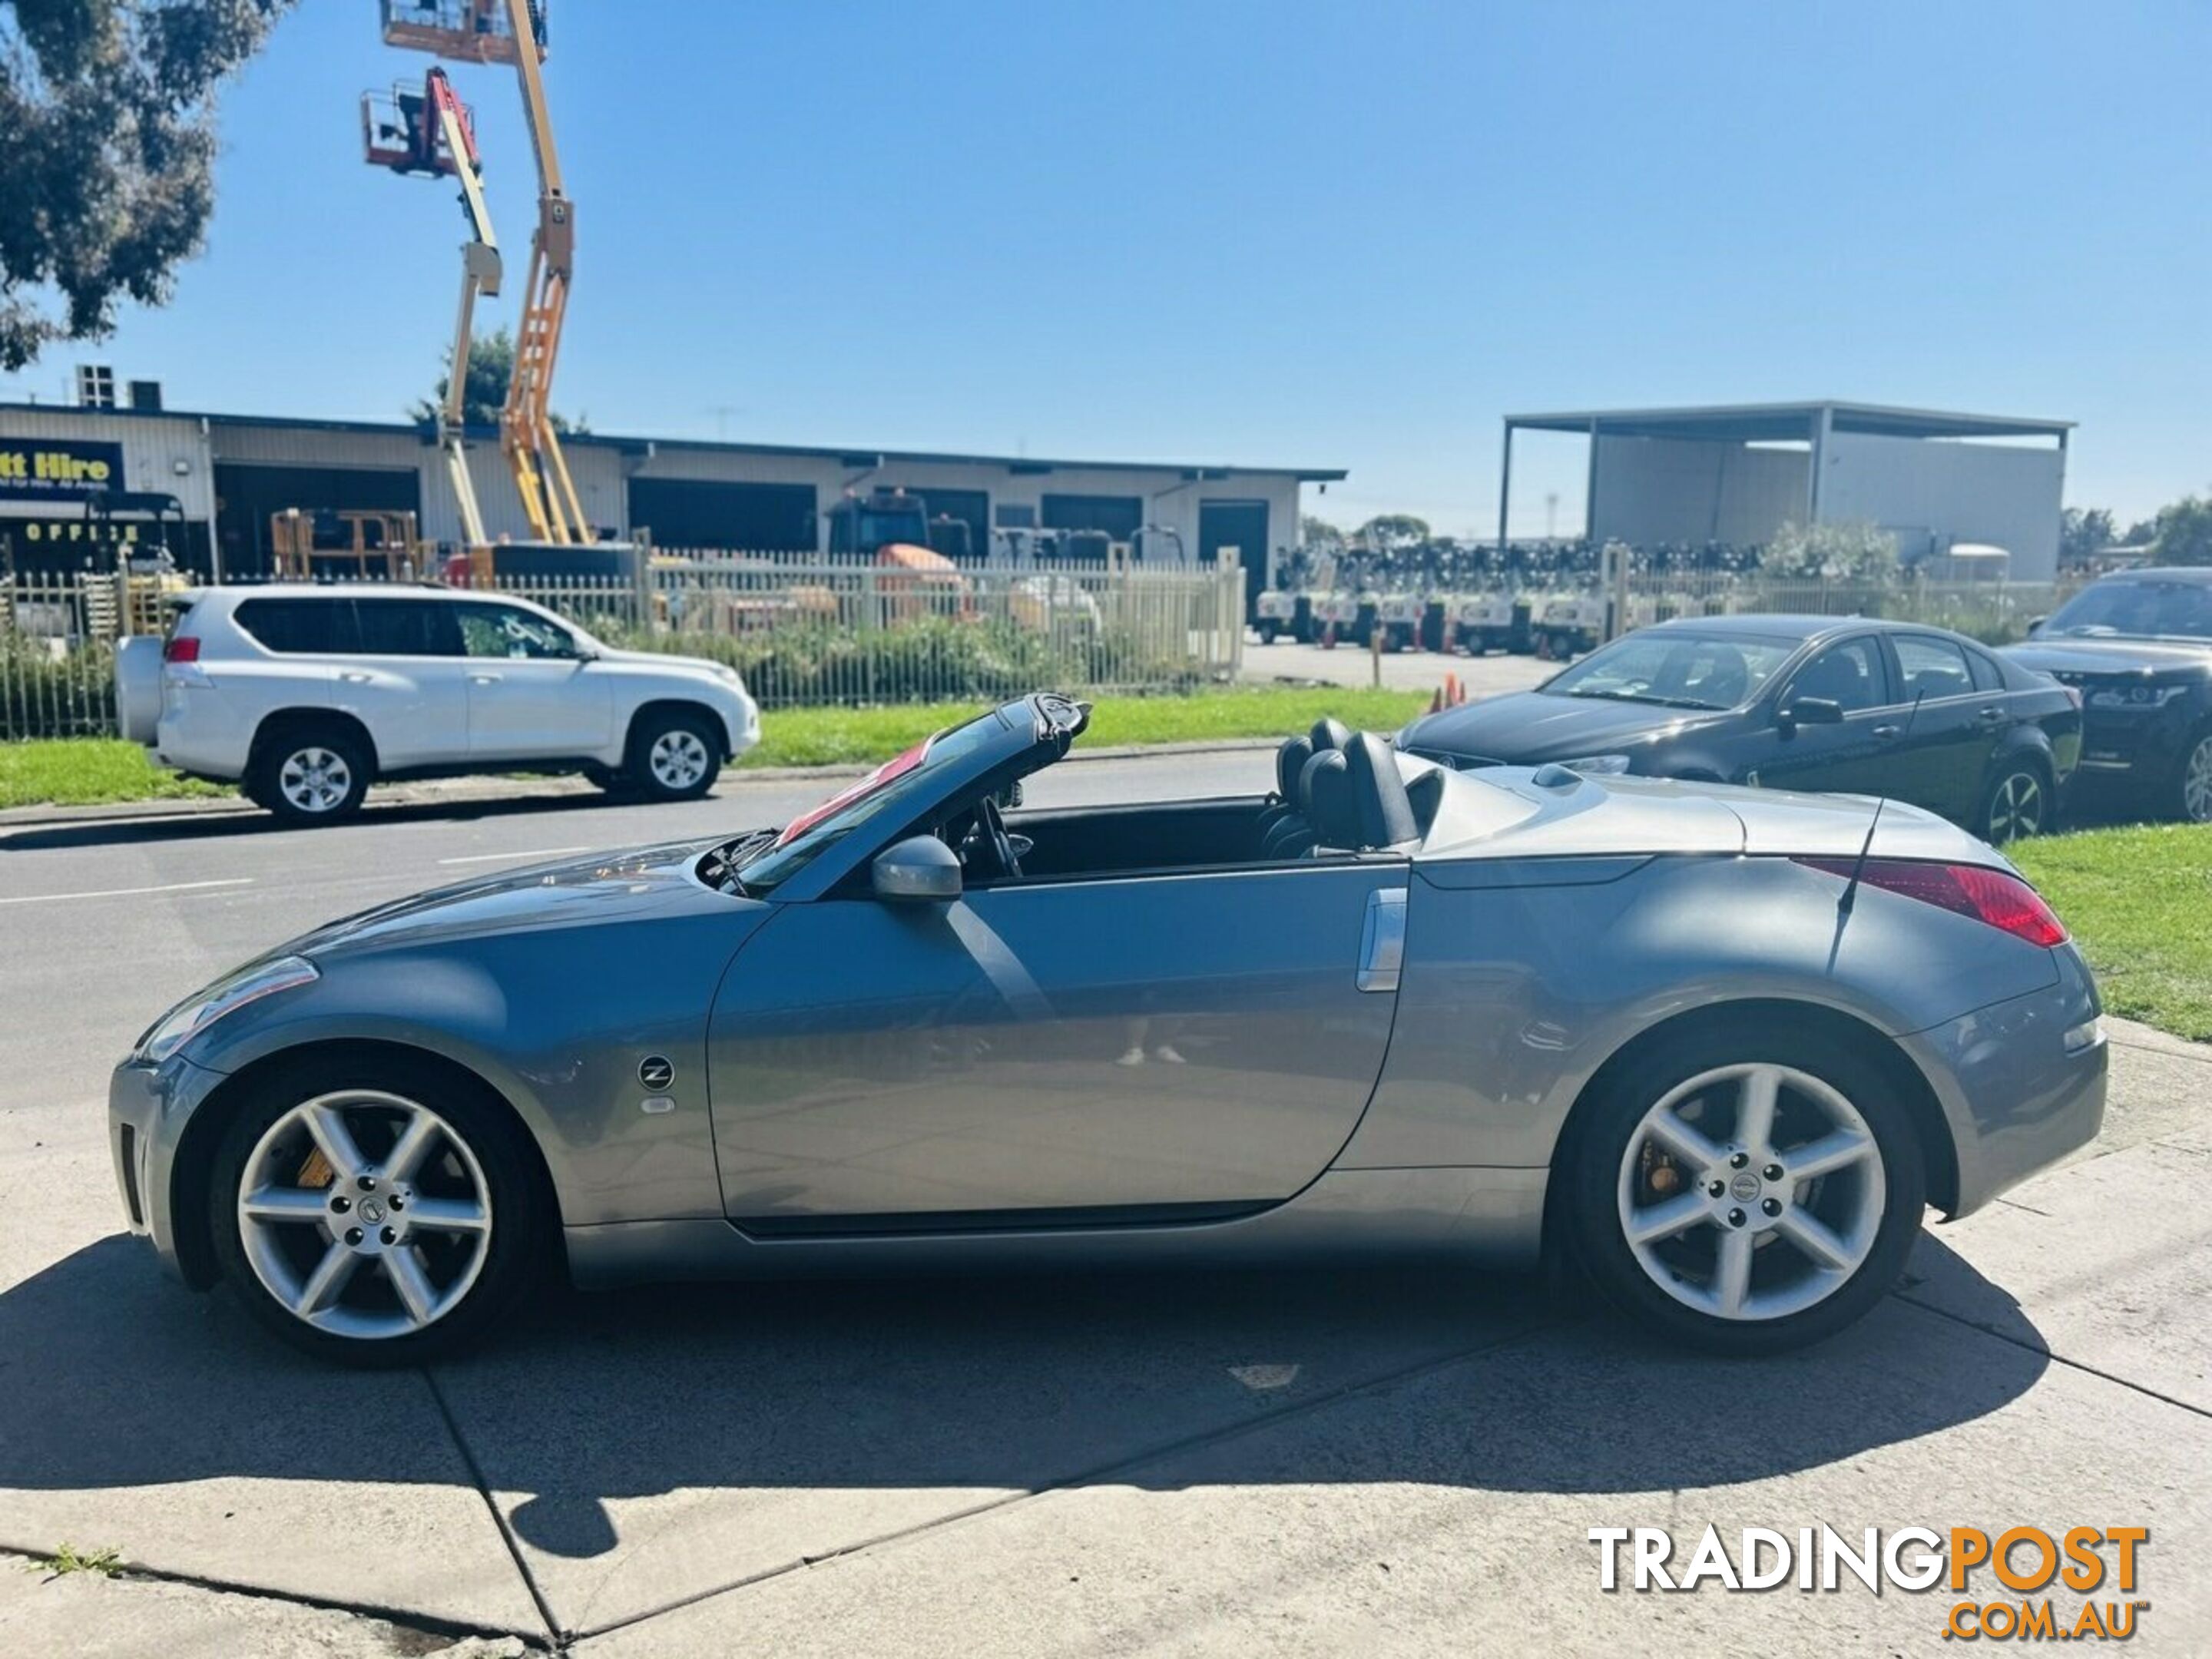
(1992, 715)
(1383, 940)
(354, 676)
(484, 679)
(1888, 731)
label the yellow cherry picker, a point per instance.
(431, 133)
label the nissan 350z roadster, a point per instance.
(1717, 1047)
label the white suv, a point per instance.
(303, 695)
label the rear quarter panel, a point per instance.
(1522, 976)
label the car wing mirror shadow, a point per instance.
(920, 868)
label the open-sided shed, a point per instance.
(1737, 473)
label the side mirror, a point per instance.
(1812, 711)
(920, 867)
(2035, 625)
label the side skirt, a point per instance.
(1491, 1215)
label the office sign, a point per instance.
(58, 469)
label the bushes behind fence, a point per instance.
(928, 660)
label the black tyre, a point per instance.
(2018, 800)
(1267, 632)
(377, 1213)
(674, 755)
(2189, 798)
(607, 778)
(1744, 1192)
(310, 772)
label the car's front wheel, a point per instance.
(1745, 1195)
(2192, 792)
(379, 1214)
(674, 755)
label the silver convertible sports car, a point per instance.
(1718, 1048)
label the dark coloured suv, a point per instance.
(2138, 646)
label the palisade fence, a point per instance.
(802, 631)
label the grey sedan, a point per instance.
(1718, 1048)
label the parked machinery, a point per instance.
(361, 544)
(896, 518)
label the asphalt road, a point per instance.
(1384, 1461)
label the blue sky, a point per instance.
(1311, 233)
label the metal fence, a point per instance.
(57, 655)
(821, 630)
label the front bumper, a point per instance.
(2128, 752)
(2017, 1097)
(148, 1107)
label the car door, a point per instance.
(532, 692)
(403, 681)
(1950, 729)
(1854, 756)
(1169, 1047)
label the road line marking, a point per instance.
(490, 857)
(129, 892)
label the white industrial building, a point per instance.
(1737, 473)
(230, 473)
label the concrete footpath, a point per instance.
(1286, 1463)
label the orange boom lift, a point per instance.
(433, 134)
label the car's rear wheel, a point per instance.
(2017, 802)
(377, 1214)
(309, 773)
(675, 756)
(1745, 1195)
(2192, 784)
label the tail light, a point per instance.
(181, 647)
(2004, 902)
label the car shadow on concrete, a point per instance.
(185, 827)
(115, 1377)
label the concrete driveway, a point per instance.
(1381, 1462)
(1410, 670)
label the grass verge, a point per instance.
(87, 772)
(2138, 899)
(92, 771)
(824, 736)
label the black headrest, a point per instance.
(1385, 815)
(1837, 675)
(1289, 761)
(1330, 734)
(1331, 805)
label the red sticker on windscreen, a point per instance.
(898, 766)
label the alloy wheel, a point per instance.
(2016, 809)
(364, 1214)
(315, 778)
(677, 759)
(2197, 783)
(1752, 1192)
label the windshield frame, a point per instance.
(1015, 739)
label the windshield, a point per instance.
(2143, 609)
(1676, 668)
(894, 790)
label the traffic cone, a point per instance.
(1436, 701)
(1458, 690)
